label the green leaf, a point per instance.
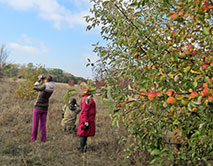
(206, 31)
(107, 102)
(67, 95)
(120, 41)
(134, 4)
(201, 125)
(154, 159)
(166, 1)
(105, 2)
(195, 83)
(155, 152)
(198, 102)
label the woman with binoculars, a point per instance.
(40, 109)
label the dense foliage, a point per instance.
(157, 64)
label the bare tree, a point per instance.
(3, 57)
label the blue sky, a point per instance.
(51, 33)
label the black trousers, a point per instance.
(83, 143)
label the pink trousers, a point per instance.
(39, 120)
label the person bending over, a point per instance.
(69, 116)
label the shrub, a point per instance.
(25, 89)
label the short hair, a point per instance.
(73, 101)
(49, 78)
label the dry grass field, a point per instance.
(61, 149)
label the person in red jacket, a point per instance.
(86, 125)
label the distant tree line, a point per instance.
(16, 71)
(23, 71)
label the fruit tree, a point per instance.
(157, 64)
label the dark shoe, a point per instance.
(84, 149)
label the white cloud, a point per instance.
(51, 10)
(28, 49)
(24, 38)
(19, 4)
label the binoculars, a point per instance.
(43, 76)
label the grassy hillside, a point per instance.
(61, 149)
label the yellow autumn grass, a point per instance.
(61, 149)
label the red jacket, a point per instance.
(88, 114)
